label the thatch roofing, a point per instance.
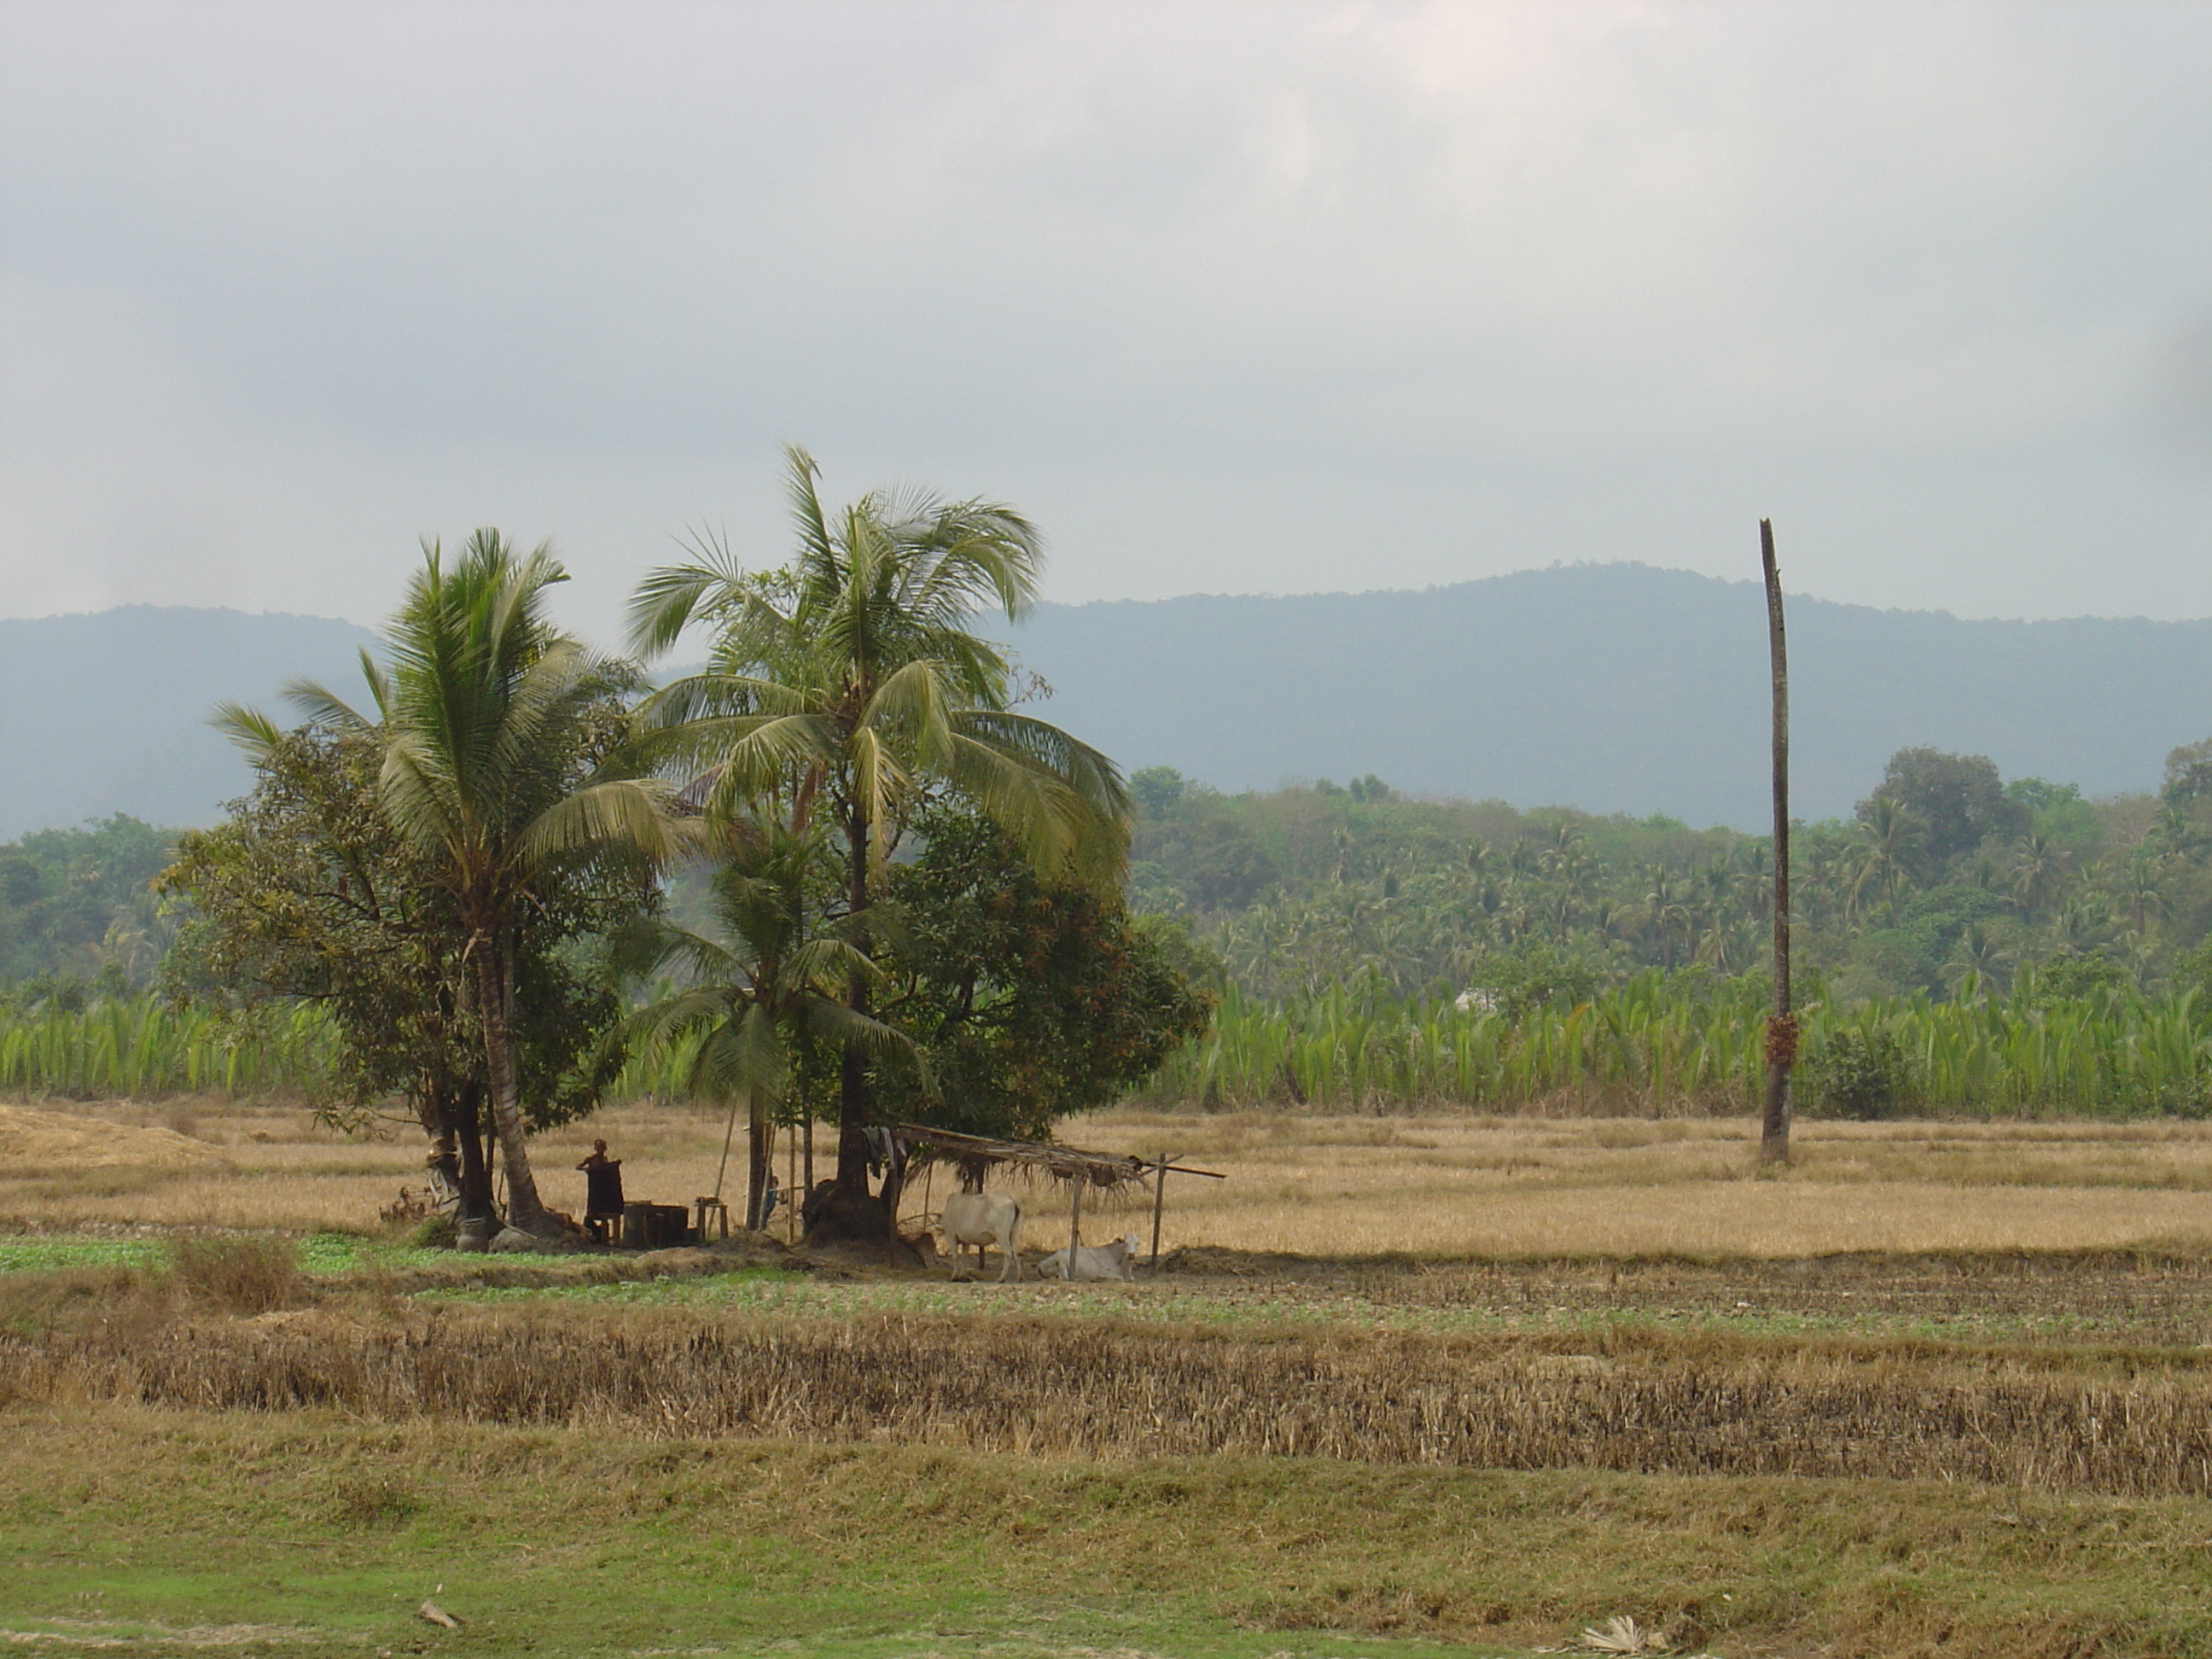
(974, 1154)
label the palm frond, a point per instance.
(253, 731)
(631, 813)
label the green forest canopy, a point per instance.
(1945, 868)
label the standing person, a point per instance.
(602, 1191)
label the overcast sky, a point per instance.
(1276, 297)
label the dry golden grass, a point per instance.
(1442, 1185)
(1630, 1399)
(1459, 1186)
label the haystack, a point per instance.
(33, 1143)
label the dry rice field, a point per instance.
(1409, 1387)
(1424, 1187)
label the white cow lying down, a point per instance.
(1093, 1261)
(980, 1218)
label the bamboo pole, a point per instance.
(1159, 1202)
(729, 1135)
(1782, 1026)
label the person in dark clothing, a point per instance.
(603, 1192)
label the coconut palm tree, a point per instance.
(1891, 840)
(771, 980)
(489, 717)
(850, 684)
(2038, 874)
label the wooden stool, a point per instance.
(705, 1208)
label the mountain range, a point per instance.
(1612, 688)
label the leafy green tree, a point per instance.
(851, 683)
(1529, 980)
(1158, 791)
(305, 891)
(76, 905)
(497, 774)
(2188, 773)
(1033, 996)
(1959, 800)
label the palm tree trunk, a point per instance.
(855, 1100)
(1781, 1028)
(757, 1153)
(847, 1210)
(495, 1005)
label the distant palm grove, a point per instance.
(855, 829)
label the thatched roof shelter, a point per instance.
(975, 1156)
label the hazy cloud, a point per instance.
(1271, 296)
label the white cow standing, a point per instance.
(980, 1218)
(1117, 1259)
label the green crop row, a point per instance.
(142, 1046)
(1642, 1047)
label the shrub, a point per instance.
(1861, 1074)
(245, 1275)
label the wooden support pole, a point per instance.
(1159, 1202)
(1782, 1026)
(1074, 1224)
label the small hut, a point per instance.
(974, 1156)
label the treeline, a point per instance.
(1947, 876)
(78, 917)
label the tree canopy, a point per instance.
(850, 685)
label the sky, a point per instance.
(1263, 298)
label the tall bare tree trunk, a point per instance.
(1782, 1026)
(495, 1002)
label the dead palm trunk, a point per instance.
(1782, 1026)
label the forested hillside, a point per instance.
(107, 713)
(1613, 689)
(1608, 689)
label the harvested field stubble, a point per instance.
(1441, 1185)
(1636, 1400)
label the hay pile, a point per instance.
(36, 1143)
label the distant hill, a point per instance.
(1614, 688)
(107, 713)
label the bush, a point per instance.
(1861, 1074)
(245, 1275)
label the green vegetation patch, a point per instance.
(35, 1253)
(308, 1535)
